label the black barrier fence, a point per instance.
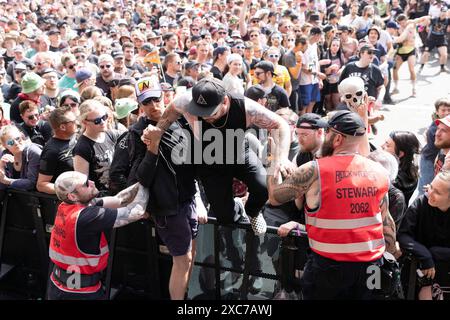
(231, 262)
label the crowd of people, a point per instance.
(123, 109)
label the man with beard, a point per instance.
(347, 218)
(78, 246)
(442, 141)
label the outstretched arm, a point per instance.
(294, 186)
(135, 210)
(261, 117)
(174, 111)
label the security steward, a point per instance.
(347, 219)
(78, 247)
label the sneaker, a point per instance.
(395, 91)
(240, 216)
(259, 225)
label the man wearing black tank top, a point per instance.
(217, 120)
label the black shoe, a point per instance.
(388, 101)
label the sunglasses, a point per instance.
(195, 29)
(240, 47)
(71, 66)
(151, 100)
(72, 105)
(33, 116)
(80, 57)
(254, 35)
(107, 66)
(99, 120)
(258, 73)
(274, 56)
(13, 141)
(222, 32)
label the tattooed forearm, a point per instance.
(127, 195)
(294, 186)
(128, 215)
(169, 116)
(388, 227)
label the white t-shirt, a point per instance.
(310, 61)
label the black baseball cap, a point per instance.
(313, 119)
(267, 66)
(255, 92)
(348, 123)
(207, 95)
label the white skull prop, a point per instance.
(352, 92)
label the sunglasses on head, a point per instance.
(13, 141)
(99, 120)
(151, 100)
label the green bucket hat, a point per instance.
(124, 107)
(31, 82)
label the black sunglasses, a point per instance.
(99, 120)
(105, 66)
(152, 99)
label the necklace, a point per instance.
(226, 120)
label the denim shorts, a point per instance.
(178, 231)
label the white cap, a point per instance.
(67, 182)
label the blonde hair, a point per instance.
(9, 129)
(88, 106)
(126, 91)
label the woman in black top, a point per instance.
(404, 145)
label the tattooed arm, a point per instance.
(122, 199)
(388, 226)
(296, 185)
(135, 210)
(174, 111)
(261, 117)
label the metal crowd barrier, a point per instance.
(229, 257)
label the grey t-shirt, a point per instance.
(289, 61)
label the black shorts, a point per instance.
(435, 42)
(405, 56)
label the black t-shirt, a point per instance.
(371, 75)
(56, 157)
(439, 27)
(425, 231)
(303, 157)
(39, 134)
(277, 98)
(99, 156)
(91, 222)
(169, 79)
(216, 73)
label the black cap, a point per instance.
(313, 119)
(368, 47)
(315, 30)
(61, 23)
(267, 66)
(147, 47)
(187, 82)
(190, 64)
(117, 54)
(53, 31)
(255, 92)
(207, 95)
(343, 27)
(347, 122)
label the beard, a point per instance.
(327, 148)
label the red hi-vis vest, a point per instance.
(64, 251)
(348, 224)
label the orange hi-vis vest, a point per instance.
(64, 251)
(348, 225)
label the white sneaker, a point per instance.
(241, 216)
(259, 225)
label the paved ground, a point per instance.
(414, 114)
